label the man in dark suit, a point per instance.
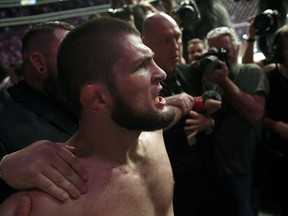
(162, 34)
(32, 110)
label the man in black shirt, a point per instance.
(32, 110)
(162, 34)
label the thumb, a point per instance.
(193, 114)
(24, 206)
(70, 148)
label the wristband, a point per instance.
(198, 104)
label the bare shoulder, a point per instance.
(152, 137)
(153, 143)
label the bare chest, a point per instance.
(125, 192)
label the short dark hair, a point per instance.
(88, 53)
(40, 34)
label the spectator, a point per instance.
(132, 11)
(213, 14)
(248, 55)
(130, 173)
(273, 178)
(281, 6)
(195, 48)
(162, 34)
(32, 110)
(244, 89)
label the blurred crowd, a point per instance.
(10, 36)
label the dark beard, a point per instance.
(132, 119)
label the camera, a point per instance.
(209, 61)
(189, 14)
(122, 13)
(267, 22)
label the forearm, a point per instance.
(249, 52)
(251, 33)
(278, 127)
(282, 129)
(249, 106)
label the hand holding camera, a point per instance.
(213, 65)
(219, 75)
(210, 60)
(267, 22)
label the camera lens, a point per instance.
(266, 22)
(189, 14)
(263, 22)
(208, 64)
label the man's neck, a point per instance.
(97, 142)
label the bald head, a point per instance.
(163, 36)
(157, 22)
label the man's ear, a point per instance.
(94, 97)
(39, 62)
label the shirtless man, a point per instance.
(113, 84)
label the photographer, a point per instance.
(132, 11)
(244, 89)
(197, 17)
(261, 29)
(271, 16)
(274, 164)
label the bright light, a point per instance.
(245, 36)
(259, 56)
(28, 2)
